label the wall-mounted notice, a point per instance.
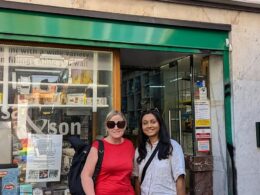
(203, 133)
(43, 158)
(202, 113)
(203, 145)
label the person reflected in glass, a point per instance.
(114, 177)
(165, 175)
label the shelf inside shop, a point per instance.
(57, 84)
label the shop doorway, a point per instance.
(168, 81)
(188, 90)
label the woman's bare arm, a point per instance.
(88, 171)
(137, 186)
(180, 185)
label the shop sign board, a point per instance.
(64, 128)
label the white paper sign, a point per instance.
(203, 93)
(43, 158)
(203, 133)
(203, 145)
(202, 113)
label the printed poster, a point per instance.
(202, 113)
(203, 146)
(9, 181)
(43, 158)
(203, 133)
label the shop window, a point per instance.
(47, 95)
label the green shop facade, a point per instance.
(62, 70)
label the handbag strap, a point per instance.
(100, 159)
(148, 163)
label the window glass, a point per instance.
(47, 95)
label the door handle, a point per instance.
(170, 124)
(180, 130)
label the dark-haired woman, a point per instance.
(166, 172)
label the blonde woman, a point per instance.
(115, 175)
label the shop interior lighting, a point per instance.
(174, 80)
(157, 86)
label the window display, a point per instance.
(48, 94)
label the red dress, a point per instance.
(116, 169)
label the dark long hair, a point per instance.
(165, 147)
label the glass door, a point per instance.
(186, 93)
(178, 101)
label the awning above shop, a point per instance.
(17, 24)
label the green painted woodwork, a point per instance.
(227, 92)
(42, 27)
(228, 117)
(98, 43)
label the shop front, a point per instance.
(61, 73)
(185, 89)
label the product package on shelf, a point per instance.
(86, 77)
(52, 98)
(9, 181)
(76, 98)
(44, 88)
(81, 76)
(46, 98)
(76, 76)
(89, 101)
(57, 98)
(26, 189)
(63, 98)
(101, 101)
(33, 98)
(24, 85)
(40, 98)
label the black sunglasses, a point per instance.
(119, 124)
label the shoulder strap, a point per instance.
(100, 159)
(148, 162)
